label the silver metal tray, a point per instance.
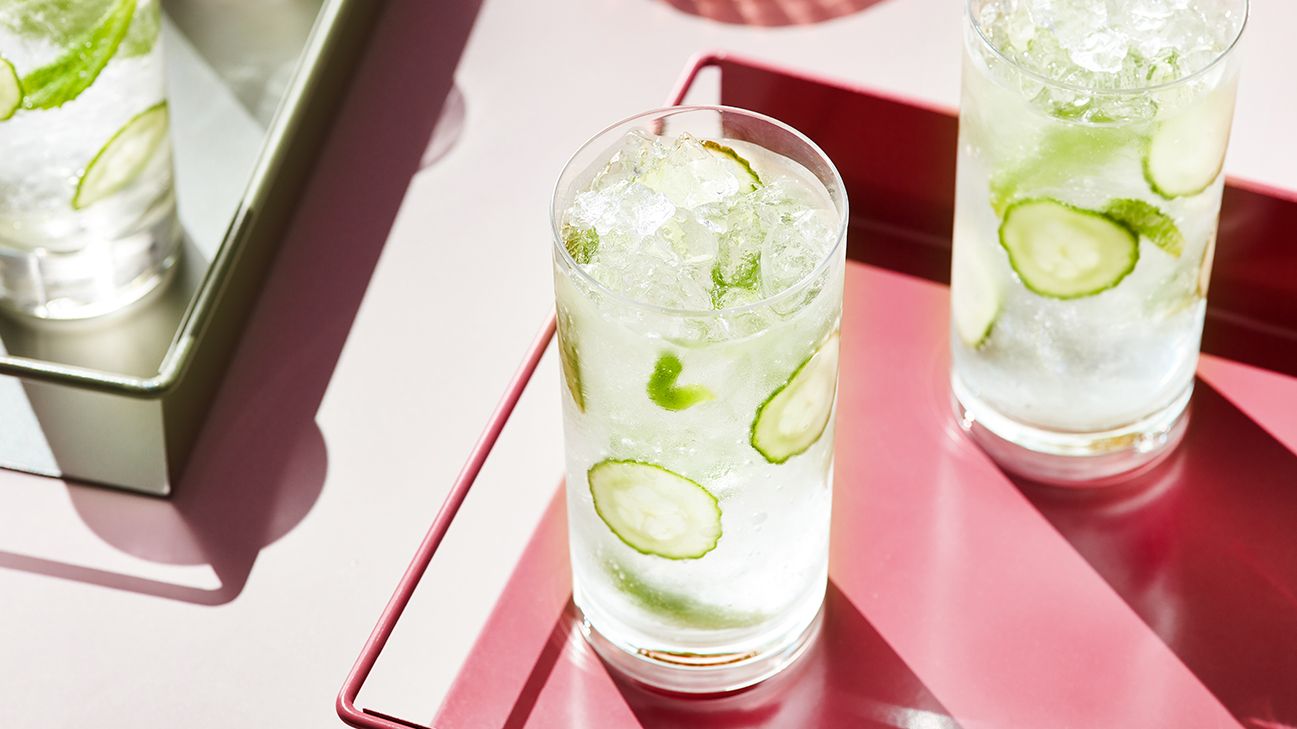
(119, 401)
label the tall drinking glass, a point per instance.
(87, 212)
(698, 268)
(1092, 139)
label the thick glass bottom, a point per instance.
(100, 278)
(703, 672)
(1066, 458)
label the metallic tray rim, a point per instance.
(288, 116)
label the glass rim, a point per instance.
(666, 111)
(1042, 78)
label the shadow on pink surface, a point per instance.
(261, 461)
(530, 667)
(771, 13)
(1202, 549)
(850, 677)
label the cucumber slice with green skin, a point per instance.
(666, 394)
(1187, 152)
(655, 511)
(679, 608)
(742, 168)
(1204, 268)
(1064, 153)
(144, 31)
(795, 415)
(11, 90)
(64, 79)
(123, 157)
(1148, 221)
(701, 180)
(568, 357)
(1064, 252)
(976, 292)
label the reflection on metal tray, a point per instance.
(119, 400)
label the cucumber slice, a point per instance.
(568, 358)
(11, 90)
(1063, 153)
(64, 79)
(697, 172)
(1149, 222)
(675, 607)
(795, 415)
(740, 167)
(975, 289)
(655, 511)
(123, 157)
(663, 390)
(1065, 252)
(1204, 268)
(1187, 152)
(144, 31)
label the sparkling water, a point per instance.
(58, 258)
(1063, 101)
(692, 261)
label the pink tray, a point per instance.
(962, 596)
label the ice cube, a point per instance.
(691, 176)
(1103, 51)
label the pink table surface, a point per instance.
(960, 597)
(997, 602)
(242, 601)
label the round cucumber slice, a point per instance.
(697, 171)
(1204, 268)
(794, 417)
(1065, 252)
(740, 167)
(655, 511)
(975, 289)
(676, 607)
(11, 90)
(1187, 152)
(568, 358)
(1148, 221)
(123, 157)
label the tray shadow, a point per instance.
(849, 677)
(260, 462)
(1202, 549)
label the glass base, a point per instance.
(97, 279)
(702, 673)
(1065, 458)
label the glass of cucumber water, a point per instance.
(698, 268)
(1091, 145)
(87, 209)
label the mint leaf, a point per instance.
(580, 243)
(54, 85)
(663, 390)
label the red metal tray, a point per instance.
(962, 596)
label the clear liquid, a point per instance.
(55, 260)
(1099, 362)
(765, 580)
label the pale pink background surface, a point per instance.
(243, 601)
